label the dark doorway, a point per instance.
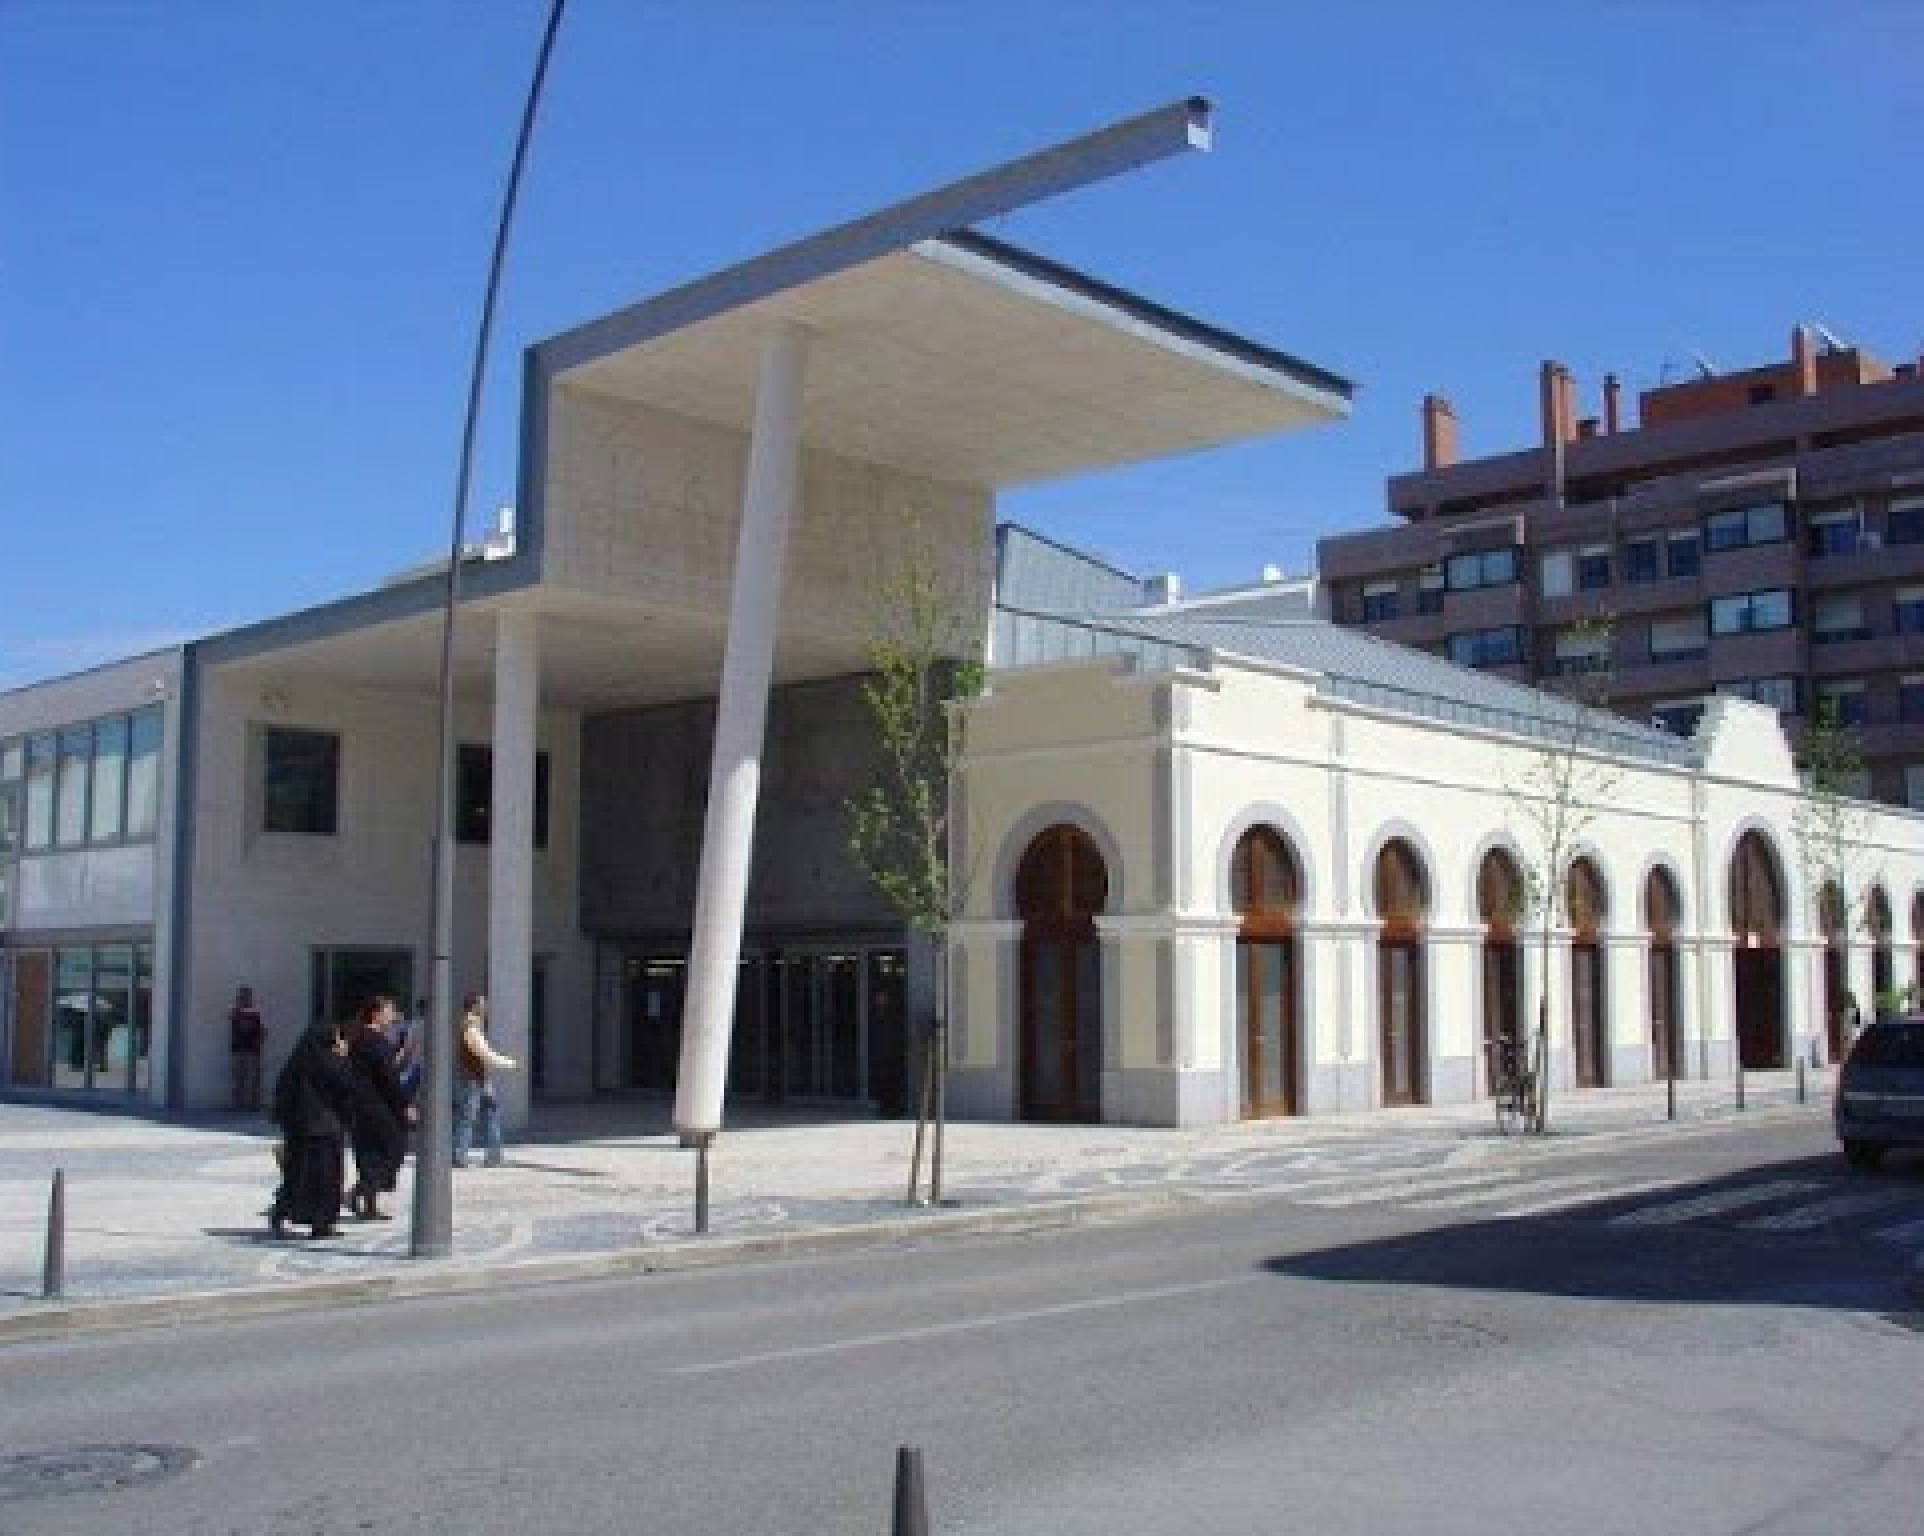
(1402, 905)
(1500, 903)
(1585, 899)
(1661, 906)
(1757, 962)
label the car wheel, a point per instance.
(1863, 1154)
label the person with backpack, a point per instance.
(476, 1105)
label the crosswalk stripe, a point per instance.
(1807, 1218)
(1503, 1192)
(1713, 1204)
(1438, 1182)
(1606, 1195)
(1906, 1232)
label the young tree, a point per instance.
(1565, 782)
(1832, 824)
(925, 647)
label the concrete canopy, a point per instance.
(957, 357)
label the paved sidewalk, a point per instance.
(166, 1219)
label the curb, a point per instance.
(453, 1278)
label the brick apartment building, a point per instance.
(1758, 533)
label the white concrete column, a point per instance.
(517, 702)
(735, 774)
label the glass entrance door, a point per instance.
(824, 1053)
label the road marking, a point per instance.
(1806, 1218)
(1403, 1186)
(1908, 1232)
(1605, 1196)
(1713, 1204)
(1454, 1202)
(961, 1325)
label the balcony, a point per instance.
(1869, 562)
(1483, 607)
(1771, 653)
(1663, 678)
(1424, 631)
(1756, 568)
(1859, 466)
(1378, 552)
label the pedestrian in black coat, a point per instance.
(313, 1105)
(382, 1113)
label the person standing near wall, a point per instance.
(246, 1037)
(474, 1097)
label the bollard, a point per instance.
(911, 1504)
(701, 1141)
(1670, 1093)
(1803, 1096)
(1740, 1085)
(53, 1273)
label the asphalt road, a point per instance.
(1725, 1347)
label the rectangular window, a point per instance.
(301, 792)
(143, 775)
(1780, 693)
(70, 801)
(1557, 573)
(109, 789)
(1679, 639)
(40, 761)
(1905, 524)
(1748, 613)
(1483, 568)
(1834, 533)
(1499, 647)
(1593, 568)
(1837, 617)
(1579, 651)
(474, 795)
(1845, 704)
(13, 770)
(1429, 590)
(1379, 601)
(1914, 786)
(1642, 560)
(1907, 611)
(1686, 552)
(1910, 700)
(1740, 527)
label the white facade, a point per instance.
(1166, 772)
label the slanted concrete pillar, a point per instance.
(735, 775)
(517, 703)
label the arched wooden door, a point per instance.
(1830, 914)
(1060, 886)
(1585, 903)
(1661, 906)
(1757, 961)
(1883, 964)
(1500, 903)
(1402, 904)
(1266, 887)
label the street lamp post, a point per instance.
(432, 1236)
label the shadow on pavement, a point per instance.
(1603, 1250)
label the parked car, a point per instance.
(1880, 1092)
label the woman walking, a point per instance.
(313, 1104)
(382, 1113)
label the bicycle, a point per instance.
(1515, 1089)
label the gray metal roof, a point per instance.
(1348, 663)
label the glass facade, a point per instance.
(82, 1017)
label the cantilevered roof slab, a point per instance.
(957, 357)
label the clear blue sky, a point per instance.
(242, 242)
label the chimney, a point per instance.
(1559, 404)
(1803, 361)
(1612, 405)
(1439, 433)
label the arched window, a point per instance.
(1264, 883)
(1756, 891)
(1500, 894)
(1585, 901)
(1883, 967)
(1662, 910)
(1060, 887)
(1266, 887)
(1402, 903)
